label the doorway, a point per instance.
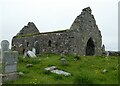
(90, 47)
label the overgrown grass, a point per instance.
(83, 69)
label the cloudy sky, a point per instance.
(52, 15)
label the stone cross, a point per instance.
(9, 62)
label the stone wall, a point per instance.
(83, 38)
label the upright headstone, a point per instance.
(63, 61)
(4, 46)
(9, 62)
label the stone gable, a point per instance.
(29, 29)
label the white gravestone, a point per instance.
(31, 54)
(34, 50)
(9, 62)
(54, 69)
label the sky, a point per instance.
(53, 15)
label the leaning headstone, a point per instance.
(31, 54)
(34, 50)
(9, 62)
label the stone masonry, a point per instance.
(83, 38)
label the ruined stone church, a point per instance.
(83, 38)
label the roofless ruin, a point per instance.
(83, 38)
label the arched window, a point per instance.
(49, 43)
(27, 44)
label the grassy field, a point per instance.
(85, 70)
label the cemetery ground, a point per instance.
(83, 69)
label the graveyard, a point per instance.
(51, 68)
(71, 56)
(83, 69)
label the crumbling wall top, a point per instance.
(87, 9)
(29, 29)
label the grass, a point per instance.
(84, 70)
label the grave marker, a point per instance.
(8, 62)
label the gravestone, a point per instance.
(34, 50)
(8, 62)
(63, 61)
(54, 69)
(4, 46)
(31, 54)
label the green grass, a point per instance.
(86, 70)
(25, 35)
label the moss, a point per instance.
(34, 34)
(26, 35)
